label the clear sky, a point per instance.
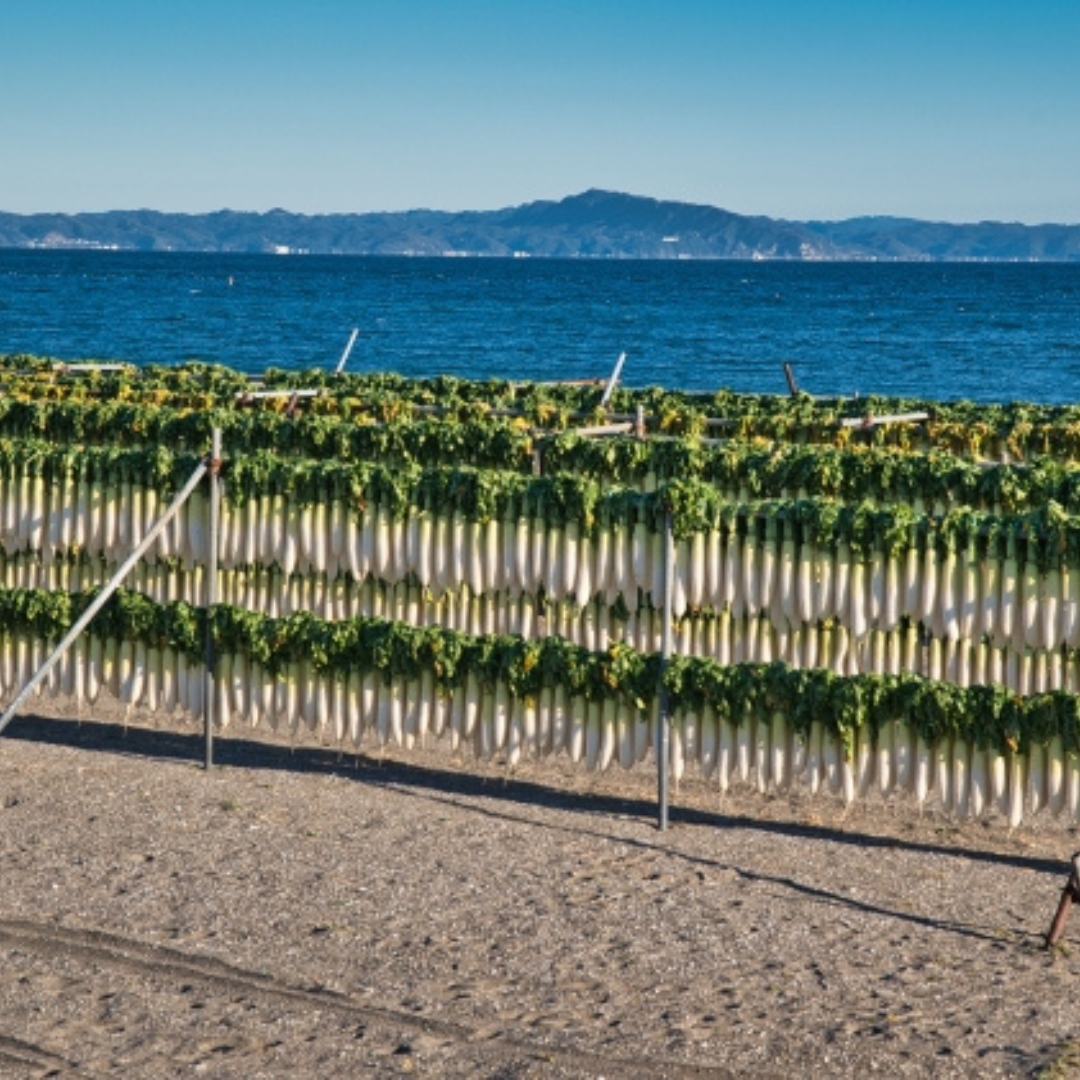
(958, 110)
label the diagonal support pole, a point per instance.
(348, 349)
(100, 600)
(613, 381)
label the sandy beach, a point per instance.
(300, 912)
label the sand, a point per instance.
(300, 913)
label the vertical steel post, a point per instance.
(663, 723)
(211, 592)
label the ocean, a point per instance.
(979, 331)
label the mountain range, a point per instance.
(595, 224)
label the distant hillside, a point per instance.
(595, 224)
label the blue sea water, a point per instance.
(986, 332)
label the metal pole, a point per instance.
(792, 385)
(211, 592)
(99, 601)
(613, 380)
(663, 723)
(348, 349)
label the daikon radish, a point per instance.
(1071, 608)
(750, 570)
(903, 757)
(979, 792)
(522, 564)
(1008, 612)
(639, 554)
(623, 734)
(805, 558)
(969, 589)
(947, 617)
(475, 552)
(864, 761)
(576, 734)
(602, 577)
(545, 724)
(560, 719)
(744, 736)
(849, 778)
(815, 771)
(1072, 785)
(842, 567)
(495, 573)
(961, 770)
(1056, 776)
(414, 543)
(708, 740)
(911, 592)
(924, 769)
(928, 601)
(676, 751)
(989, 596)
(713, 588)
(891, 599)
(767, 567)
(620, 579)
(724, 748)
(500, 716)
(644, 726)
(785, 605)
(1017, 786)
(732, 596)
(824, 585)
(1031, 624)
(999, 782)
(885, 760)
(1037, 778)
(797, 750)
(832, 756)
(943, 779)
(780, 745)
(1049, 608)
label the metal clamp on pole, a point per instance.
(1069, 896)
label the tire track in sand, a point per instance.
(32, 1056)
(101, 947)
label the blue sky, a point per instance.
(957, 110)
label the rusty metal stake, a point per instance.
(1069, 895)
